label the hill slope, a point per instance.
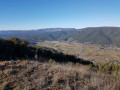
(98, 35)
(33, 75)
(19, 49)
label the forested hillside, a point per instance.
(98, 35)
(38, 35)
(14, 48)
(95, 35)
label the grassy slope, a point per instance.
(33, 75)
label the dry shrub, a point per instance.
(47, 76)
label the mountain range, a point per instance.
(94, 35)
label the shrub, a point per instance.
(51, 61)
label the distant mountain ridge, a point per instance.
(37, 35)
(95, 35)
(98, 35)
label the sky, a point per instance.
(36, 14)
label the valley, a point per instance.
(92, 52)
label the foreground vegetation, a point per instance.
(33, 75)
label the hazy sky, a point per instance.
(35, 14)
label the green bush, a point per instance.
(51, 61)
(107, 68)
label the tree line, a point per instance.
(14, 48)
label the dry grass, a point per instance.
(33, 75)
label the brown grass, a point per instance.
(33, 75)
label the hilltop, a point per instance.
(33, 75)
